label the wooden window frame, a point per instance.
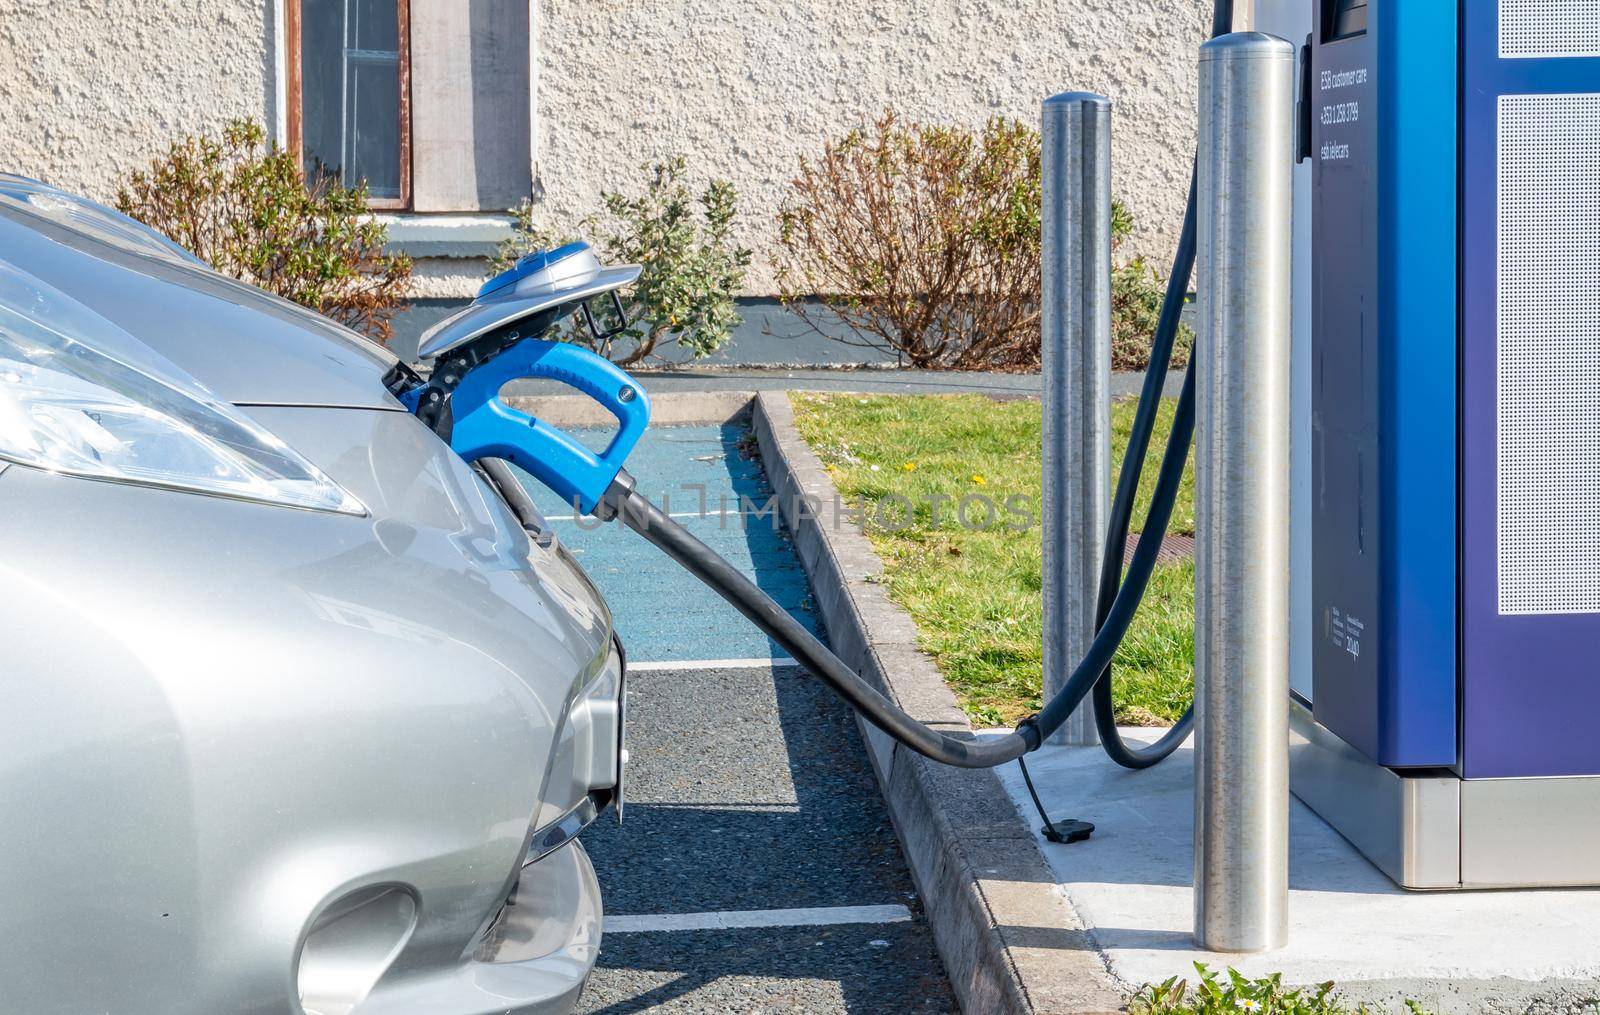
(291, 24)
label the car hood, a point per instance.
(436, 582)
(247, 346)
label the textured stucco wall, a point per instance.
(744, 89)
(90, 89)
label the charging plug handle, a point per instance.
(484, 426)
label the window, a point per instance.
(350, 93)
(463, 145)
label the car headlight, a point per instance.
(80, 396)
(589, 761)
(604, 705)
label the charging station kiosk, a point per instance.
(1446, 536)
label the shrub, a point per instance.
(1235, 994)
(1137, 292)
(245, 208)
(924, 241)
(692, 270)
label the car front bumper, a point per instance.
(534, 959)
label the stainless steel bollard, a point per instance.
(1075, 322)
(1241, 866)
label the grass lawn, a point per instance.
(975, 591)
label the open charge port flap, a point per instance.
(1343, 19)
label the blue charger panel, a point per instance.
(1530, 383)
(1383, 98)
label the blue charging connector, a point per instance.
(486, 427)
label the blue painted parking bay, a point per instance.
(702, 475)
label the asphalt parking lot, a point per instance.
(749, 797)
(756, 869)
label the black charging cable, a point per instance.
(1118, 602)
(968, 751)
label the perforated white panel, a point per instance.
(1540, 28)
(1548, 372)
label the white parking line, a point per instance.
(680, 665)
(826, 916)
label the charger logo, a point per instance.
(1343, 630)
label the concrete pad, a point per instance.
(1453, 951)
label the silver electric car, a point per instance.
(298, 714)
